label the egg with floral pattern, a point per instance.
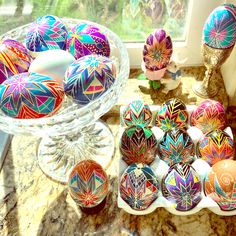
(14, 59)
(85, 39)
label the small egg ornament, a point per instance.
(137, 113)
(88, 78)
(46, 33)
(182, 187)
(85, 39)
(14, 59)
(173, 113)
(138, 145)
(209, 115)
(30, 95)
(88, 184)
(176, 146)
(215, 146)
(139, 186)
(219, 29)
(220, 184)
(157, 50)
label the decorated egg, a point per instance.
(219, 29)
(173, 113)
(176, 146)
(182, 187)
(52, 63)
(138, 145)
(85, 39)
(209, 115)
(220, 184)
(14, 59)
(157, 50)
(88, 78)
(46, 33)
(88, 183)
(139, 186)
(137, 113)
(215, 146)
(30, 95)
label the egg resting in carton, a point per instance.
(160, 169)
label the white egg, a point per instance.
(52, 63)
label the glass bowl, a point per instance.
(74, 133)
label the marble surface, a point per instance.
(32, 204)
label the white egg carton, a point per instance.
(160, 168)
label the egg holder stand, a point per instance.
(74, 133)
(160, 169)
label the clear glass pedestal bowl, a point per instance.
(74, 133)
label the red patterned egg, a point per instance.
(88, 183)
(30, 95)
(220, 184)
(215, 146)
(14, 59)
(209, 115)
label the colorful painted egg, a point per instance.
(173, 113)
(88, 183)
(209, 115)
(176, 146)
(138, 145)
(52, 63)
(85, 39)
(220, 184)
(219, 29)
(182, 187)
(139, 186)
(30, 95)
(137, 113)
(215, 146)
(157, 50)
(46, 33)
(14, 59)
(88, 78)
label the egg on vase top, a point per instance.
(139, 186)
(209, 115)
(157, 50)
(220, 184)
(46, 33)
(215, 146)
(85, 39)
(52, 63)
(30, 95)
(182, 187)
(138, 145)
(176, 146)
(137, 113)
(88, 183)
(219, 29)
(172, 114)
(88, 78)
(14, 59)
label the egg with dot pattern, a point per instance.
(172, 114)
(85, 39)
(139, 186)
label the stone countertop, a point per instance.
(32, 204)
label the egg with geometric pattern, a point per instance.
(88, 184)
(215, 146)
(88, 78)
(137, 113)
(14, 59)
(172, 114)
(30, 96)
(139, 186)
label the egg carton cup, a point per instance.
(160, 169)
